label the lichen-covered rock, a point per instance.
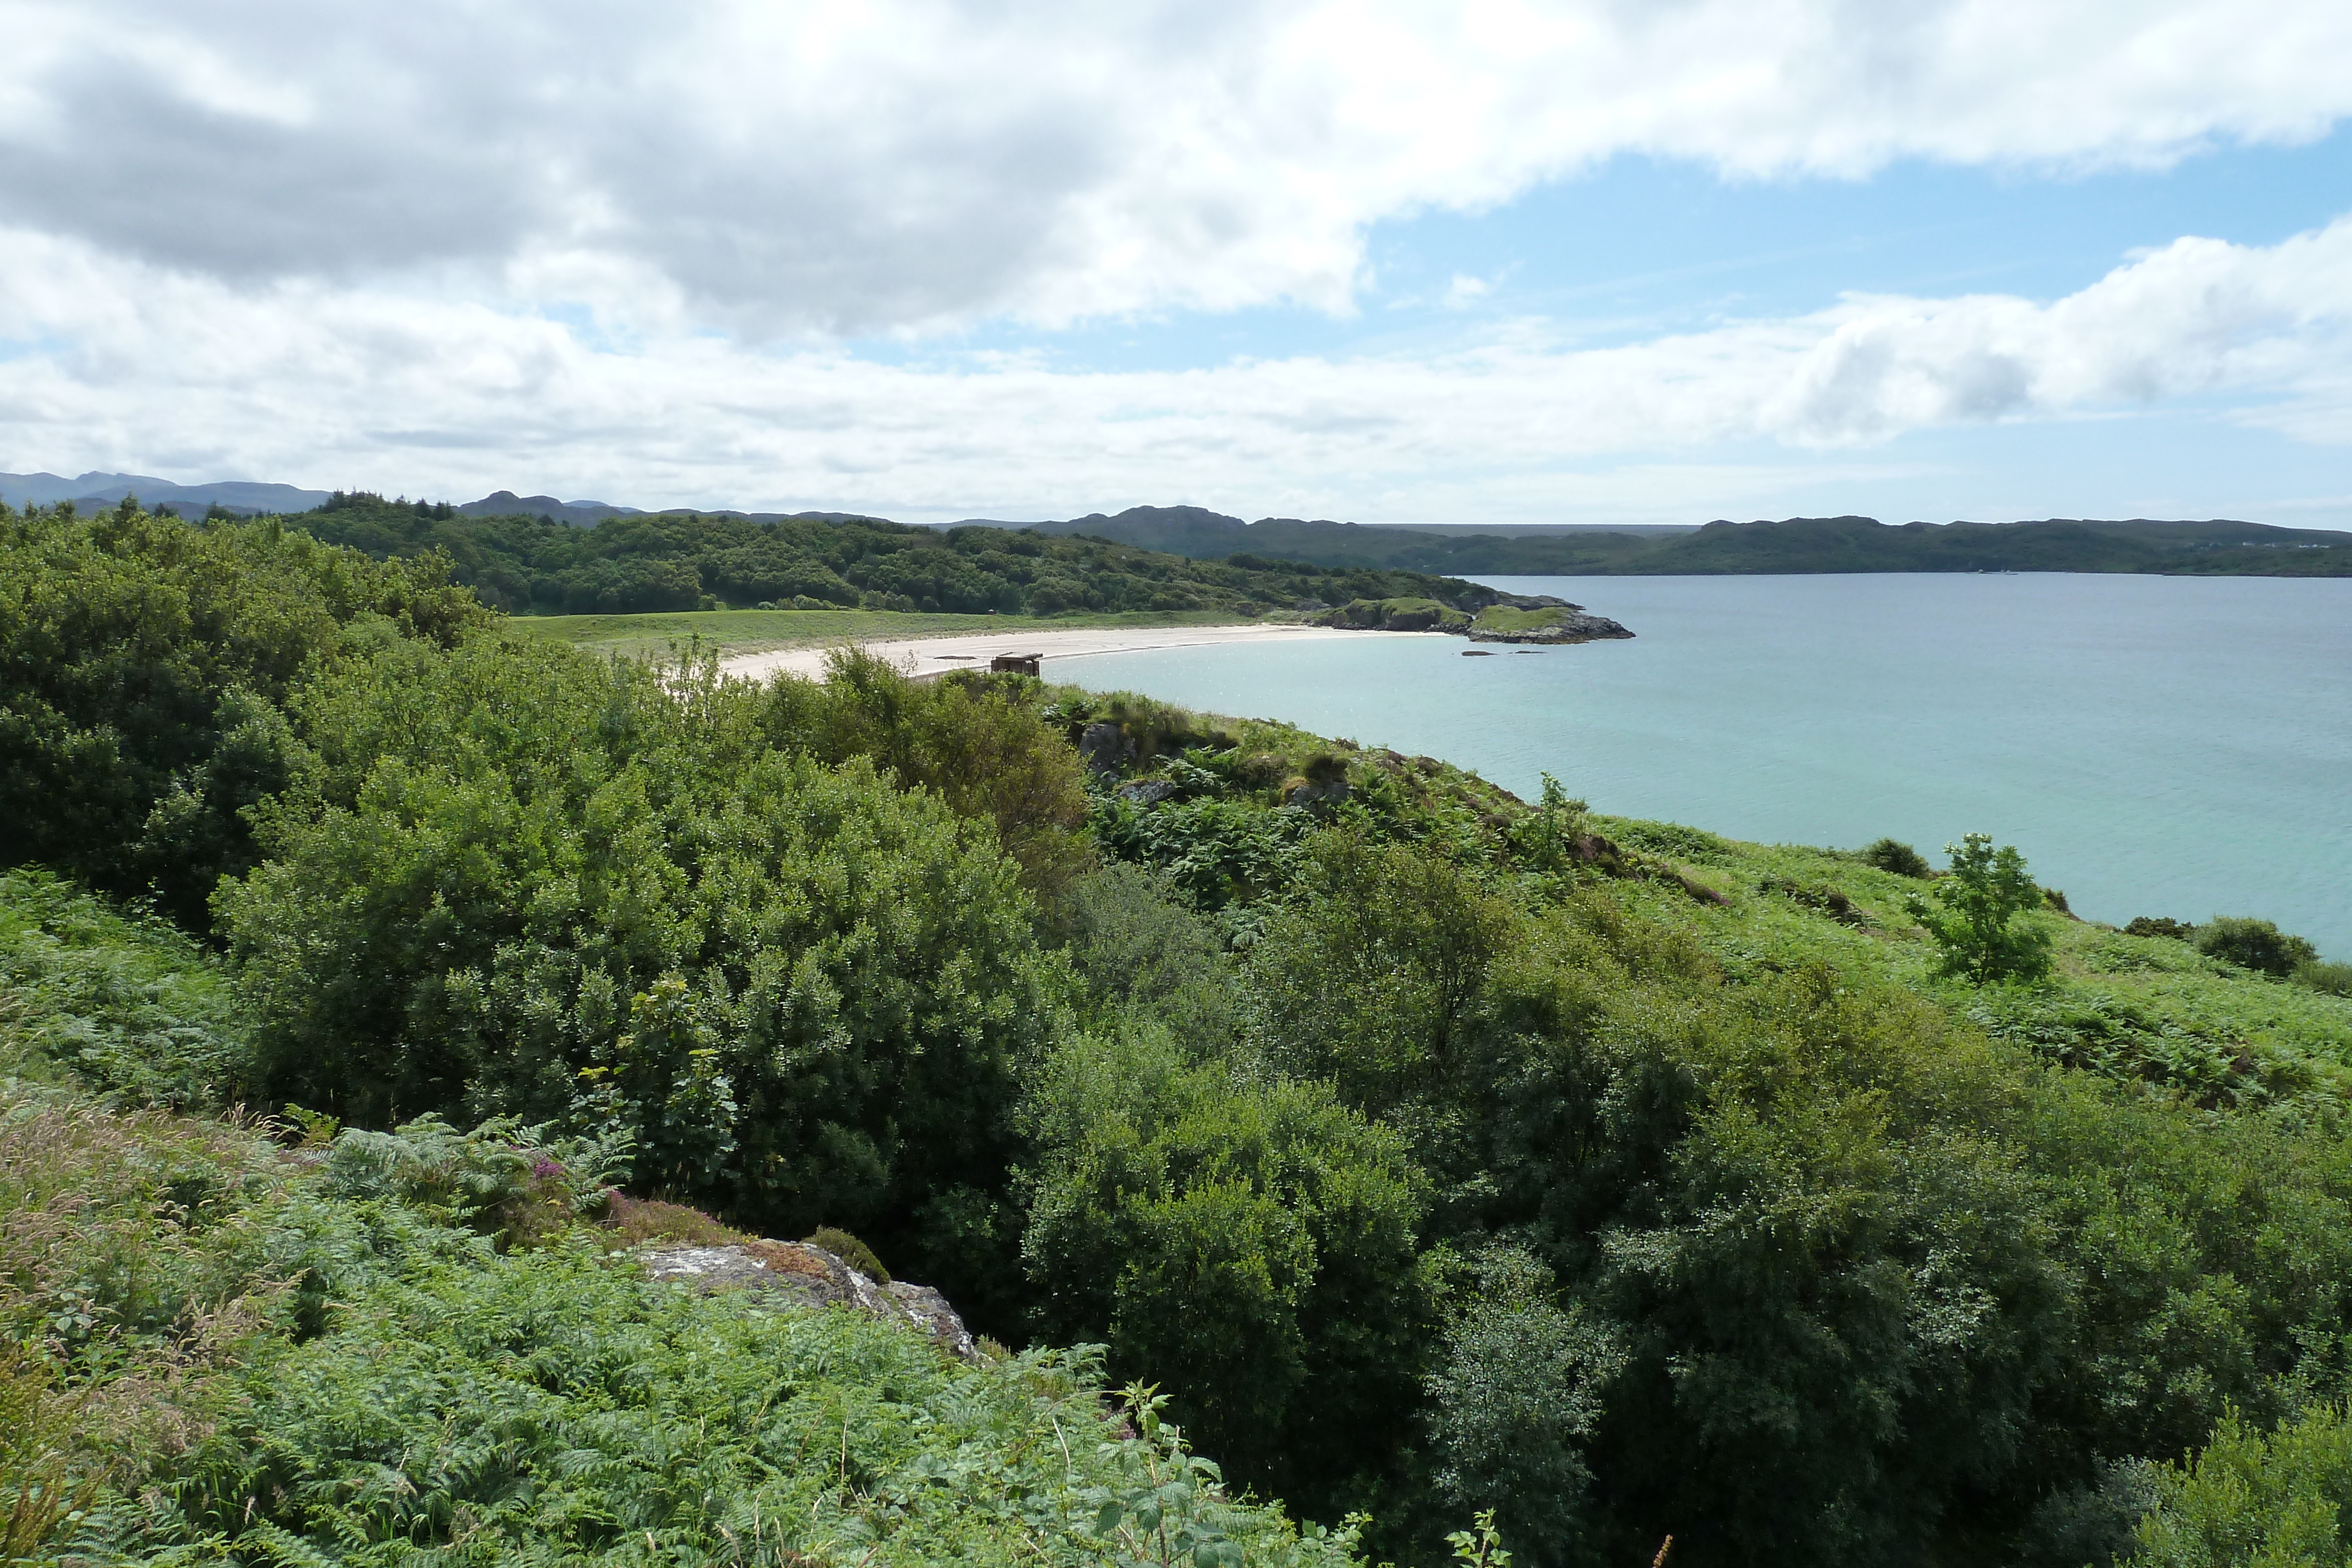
(800, 1275)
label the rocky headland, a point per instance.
(1537, 618)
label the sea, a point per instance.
(2157, 745)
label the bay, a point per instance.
(2154, 744)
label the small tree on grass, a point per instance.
(1974, 916)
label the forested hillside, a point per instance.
(532, 564)
(1433, 1152)
(1792, 545)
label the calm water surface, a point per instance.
(2155, 746)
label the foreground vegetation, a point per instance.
(1433, 1153)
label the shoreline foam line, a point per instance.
(924, 657)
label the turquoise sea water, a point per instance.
(2155, 746)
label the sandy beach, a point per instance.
(926, 656)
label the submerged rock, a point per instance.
(800, 1275)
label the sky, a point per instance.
(1589, 262)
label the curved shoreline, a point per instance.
(923, 657)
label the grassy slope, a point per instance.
(751, 630)
(2131, 1006)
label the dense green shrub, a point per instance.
(1372, 975)
(2254, 1498)
(1520, 1387)
(978, 742)
(2328, 979)
(2255, 944)
(523, 882)
(1246, 1239)
(1896, 856)
(2159, 925)
(142, 662)
(850, 1250)
(1136, 948)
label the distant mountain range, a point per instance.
(1792, 544)
(104, 489)
(248, 499)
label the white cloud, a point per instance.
(905, 163)
(127, 364)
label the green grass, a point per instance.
(751, 630)
(2130, 1007)
(1504, 618)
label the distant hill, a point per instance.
(588, 514)
(96, 490)
(1792, 544)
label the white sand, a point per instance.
(927, 656)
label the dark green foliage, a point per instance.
(1372, 977)
(2255, 944)
(142, 662)
(1136, 947)
(2151, 926)
(977, 741)
(1898, 857)
(1244, 1236)
(525, 882)
(1974, 916)
(1521, 1386)
(626, 565)
(850, 1250)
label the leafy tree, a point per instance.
(1974, 916)
(2255, 944)
(522, 881)
(1246, 1239)
(1371, 976)
(142, 663)
(978, 742)
(1520, 1386)
(2254, 1499)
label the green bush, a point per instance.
(1245, 1240)
(1371, 978)
(2154, 925)
(1896, 856)
(142, 663)
(2254, 1499)
(2255, 944)
(527, 883)
(1974, 916)
(1520, 1387)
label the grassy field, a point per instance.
(752, 631)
